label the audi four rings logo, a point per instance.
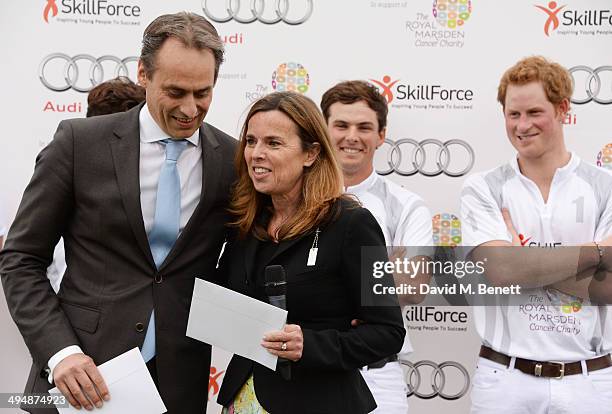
(257, 9)
(74, 78)
(420, 153)
(438, 380)
(593, 86)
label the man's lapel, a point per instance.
(125, 149)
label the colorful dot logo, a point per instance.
(446, 230)
(566, 303)
(604, 158)
(291, 76)
(451, 14)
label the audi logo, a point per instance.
(71, 76)
(593, 85)
(414, 379)
(257, 11)
(419, 153)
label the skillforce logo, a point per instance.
(100, 12)
(385, 86)
(529, 242)
(50, 8)
(551, 11)
(214, 383)
(423, 96)
(564, 20)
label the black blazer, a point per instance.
(322, 299)
(86, 188)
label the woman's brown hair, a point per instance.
(321, 184)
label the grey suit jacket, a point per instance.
(85, 188)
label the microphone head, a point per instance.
(275, 280)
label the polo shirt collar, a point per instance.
(561, 172)
(364, 185)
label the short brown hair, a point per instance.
(321, 184)
(115, 95)
(349, 92)
(555, 79)
(191, 29)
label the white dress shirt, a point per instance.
(152, 157)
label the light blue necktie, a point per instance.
(166, 223)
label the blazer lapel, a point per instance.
(249, 257)
(211, 161)
(125, 149)
(286, 244)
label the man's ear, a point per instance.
(142, 75)
(381, 137)
(312, 154)
(563, 108)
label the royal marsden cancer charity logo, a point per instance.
(451, 14)
(99, 12)
(561, 19)
(604, 158)
(291, 76)
(447, 30)
(446, 230)
(417, 96)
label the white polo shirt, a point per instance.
(402, 215)
(547, 324)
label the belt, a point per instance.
(547, 369)
(382, 362)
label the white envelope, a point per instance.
(131, 387)
(232, 321)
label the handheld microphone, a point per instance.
(276, 286)
(276, 290)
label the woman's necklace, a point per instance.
(276, 227)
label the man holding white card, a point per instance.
(140, 199)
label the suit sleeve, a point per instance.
(381, 332)
(43, 215)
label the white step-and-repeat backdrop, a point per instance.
(438, 64)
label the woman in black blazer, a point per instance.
(290, 211)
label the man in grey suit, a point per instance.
(140, 199)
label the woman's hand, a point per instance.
(287, 343)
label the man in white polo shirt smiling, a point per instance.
(356, 116)
(548, 352)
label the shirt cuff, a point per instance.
(59, 356)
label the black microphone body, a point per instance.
(276, 290)
(276, 285)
